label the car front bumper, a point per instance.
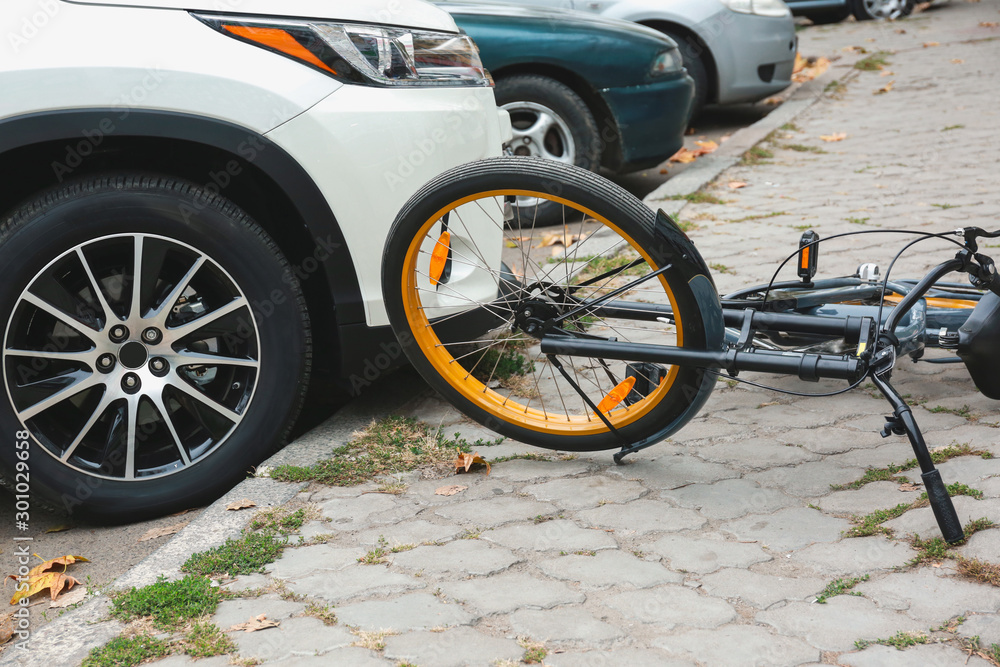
(755, 55)
(651, 120)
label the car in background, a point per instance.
(194, 207)
(735, 50)
(831, 11)
(581, 89)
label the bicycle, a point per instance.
(617, 337)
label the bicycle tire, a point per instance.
(448, 320)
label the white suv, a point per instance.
(194, 208)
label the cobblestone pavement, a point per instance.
(710, 548)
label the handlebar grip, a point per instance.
(944, 509)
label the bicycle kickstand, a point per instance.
(902, 421)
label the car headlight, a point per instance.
(776, 8)
(364, 54)
(667, 62)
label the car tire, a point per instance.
(139, 401)
(694, 63)
(828, 17)
(874, 10)
(549, 120)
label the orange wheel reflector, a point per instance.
(616, 395)
(279, 40)
(805, 257)
(439, 258)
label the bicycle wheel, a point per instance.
(469, 298)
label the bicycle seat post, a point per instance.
(902, 421)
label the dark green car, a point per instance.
(581, 89)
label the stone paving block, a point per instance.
(352, 513)
(434, 412)
(788, 529)
(670, 606)
(760, 590)
(585, 492)
(521, 470)
(925, 655)
(312, 529)
(305, 560)
(807, 480)
(895, 451)
(853, 557)
(643, 516)
(414, 611)
(416, 531)
(339, 585)
(984, 626)
(929, 596)
(246, 582)
(921, 521)
(558, 534)
(739, 646)
(631, 657)
(971, 470)
(831, 440)
(422, 492)
(691, 554)
(495, 511)
(975, 435)
(756, 453)
(231, 612)
(457, 647)
(836, 625)
(729, 498)
(187, 661)
(984, 545)
(510, 591)
(295, 636)
(787, 415)
(700, 429)
(606, 569)
(870, 497)
(571, 625)
(352, 655)
(461, 557)
(671, 472)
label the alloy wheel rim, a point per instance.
(885, 9)
(128, 379)
(538, 131)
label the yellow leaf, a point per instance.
(839, 136)
(59, 529)
(241, 504)
(54, 581)
(465, 461)
(884, 89)
(927, 45)
(957, 61)
(450, 490)
(49, 565)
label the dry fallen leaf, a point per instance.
(450, 490)
(855, 49)
(254, 624)
(887, 72)
(687, 155)
(69, 599)
(736, 185)
(900, 31)
(55, 582)
(988, 24)
(927, 45)
(957, 61)
(908, 487)
(465, 461)
(154, 533)
(59, 529)
(241, 504)
(664, 170)
(812, 68)
(839, 136)
(884, 89)
(6, 628)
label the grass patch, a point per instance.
(169, 604)
(790, 127)
(835, 88)
(760, 216)
(278, 520)
(959, 489)
(388, 446)
(686, 225)
(755, 156)
(937, 549)
(721, 268)
(901, 640)
(840, 587)
(959, 412)
(857, 221)
(126, 652)
(871, 524)
(373, 641)
(322, 612)
(245, 555)
(978, 570)
(802, 148)
(205, 640)
(873, 62)
(952, 127)
(520, 457)
(534, 652)
(889, 472)
(699, 198)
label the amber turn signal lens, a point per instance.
(279, 40)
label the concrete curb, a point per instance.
(708, 168)
(69, 638)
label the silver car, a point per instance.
(735, 50)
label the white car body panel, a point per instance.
(444, 127)
(386, 12)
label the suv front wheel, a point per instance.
(156, 346)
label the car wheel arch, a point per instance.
(712, 68)
(611, 157)
(37, 151)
